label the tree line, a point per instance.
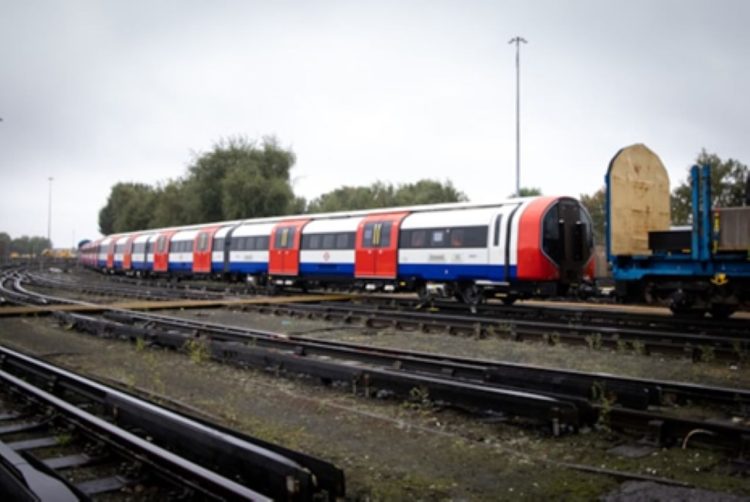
(23, 245)
(729, 183)
(242, 179)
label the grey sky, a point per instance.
(95, 92)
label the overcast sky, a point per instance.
(96, 92)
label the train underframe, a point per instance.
(688, 297)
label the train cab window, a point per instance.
(498, 226)
(551, 241)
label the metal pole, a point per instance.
(518, 41)
(49, 213)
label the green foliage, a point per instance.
(381, 194)
(728, 185)
(23, 245)
(237, 179)
(595, 204)
(5, 241)
(529, 192)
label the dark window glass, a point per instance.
(284, 238)
(202, 241)
(139, 247)
(150, 247)
(385, 234)
(218, 244)
(160, 244)
(120, 248)
(329, 241)
(345, 240)
(261, 243)
(367, 235)
(551, 242)
(311, 241)
(235, 243)
(437, 238)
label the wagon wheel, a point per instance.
(509, 300)
(721, 310)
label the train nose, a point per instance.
(567, 238)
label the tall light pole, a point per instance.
(49, 213)
(518, 41)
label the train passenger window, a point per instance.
(437, 238)
(249, 243)
(150, 247)
(345, 240)
(218, 244)
(498, 223)
(418, 239)
(261, 243)
(329, 241)
(472, 237)
(311, 241)
(457, 237)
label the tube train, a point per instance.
(519, 248)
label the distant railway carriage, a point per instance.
(535, 246)
(704, 267)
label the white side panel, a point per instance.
(327, 256)
(514, 233)
(453, 256)
(456, 218)
(332, 225)
(248, 256)
(254, 229)
(181, 257)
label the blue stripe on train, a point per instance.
(327, 269)
(141, 265)
(455, 272)
(247, 267)
(180, 266)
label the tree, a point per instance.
(381, 194)
(129, 207)
(728, 186)
(170, 206)
(5, 241)
(529, 192)
(26, 245)
(595, 204)
(264, 170)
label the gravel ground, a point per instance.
(392, 450)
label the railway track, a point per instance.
(66, 437)
(699, 339)
(562, 400)
(646, 339)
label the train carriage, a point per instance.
(248, 250)
(327, 249)
(180, 252)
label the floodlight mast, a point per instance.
(518, 41)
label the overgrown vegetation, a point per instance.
(240, 178)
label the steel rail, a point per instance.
(647, 341)
(219, 461)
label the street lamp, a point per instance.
(518, 41)
(49, 213)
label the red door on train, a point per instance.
(161, 251)
(376, 254)
(111, 253)
(283, 250)
(127, 257)
(202, 248)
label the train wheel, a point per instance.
(509, 300)
(721, 310)
(472, 295)
(424, 295)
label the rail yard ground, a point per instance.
(392, 450)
